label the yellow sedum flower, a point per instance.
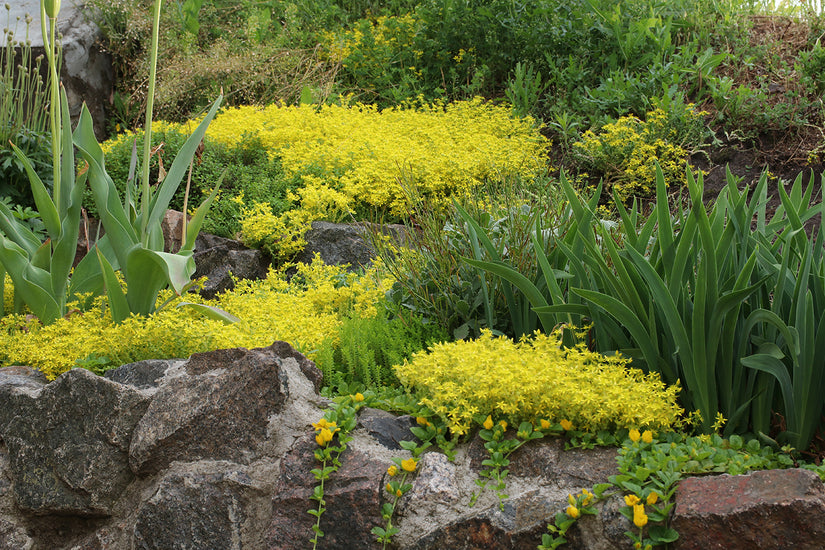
(359, 149)
(308, 314)
(536, 378)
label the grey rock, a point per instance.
(218, 407)
(388, 429)
(14, 536)
(345, 244)
(196, 510)
(68, 443)
(220, 259)
(437, 480)
(353, 500)
(142, 374)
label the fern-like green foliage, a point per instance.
(367, 348)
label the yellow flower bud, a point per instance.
(503, 425)
(358, 397)
(388, 488)
(409, 464)
(571, 500)
(392, 470)
(398, 493)
(566, 425)
(488, 424)
(639, 516)
(573, 512)
(634, 435)
(545, 425)
(647, 436)
(422, 421)
(652, 498)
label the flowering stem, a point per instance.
(150, 103)
(55, 125)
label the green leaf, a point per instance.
(662, 535)
(117, 299)
(211, 312)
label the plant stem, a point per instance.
(147, 137)
(54, 102)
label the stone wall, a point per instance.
(215, 452)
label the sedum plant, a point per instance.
(537, 378)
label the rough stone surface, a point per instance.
(772, 509)
(68, 442)
(340, 244)
(224, 460)
(172, 227)
(353, 497)
(203, 510)
(142, 374)
(217, 407)
(220, 259)
(387, 429)
(87, 71)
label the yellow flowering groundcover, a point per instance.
(625, 151)
(536, 378)
(304, 312)
(364, 153)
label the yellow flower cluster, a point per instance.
(625, 151)
(377, 42)
(537, 378)
(362, 153)
(158, 126)
(280, 236)
(302, 314)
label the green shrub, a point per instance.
(431, 277)
(537, 378)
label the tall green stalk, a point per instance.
(49, 10)
(150, 106)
